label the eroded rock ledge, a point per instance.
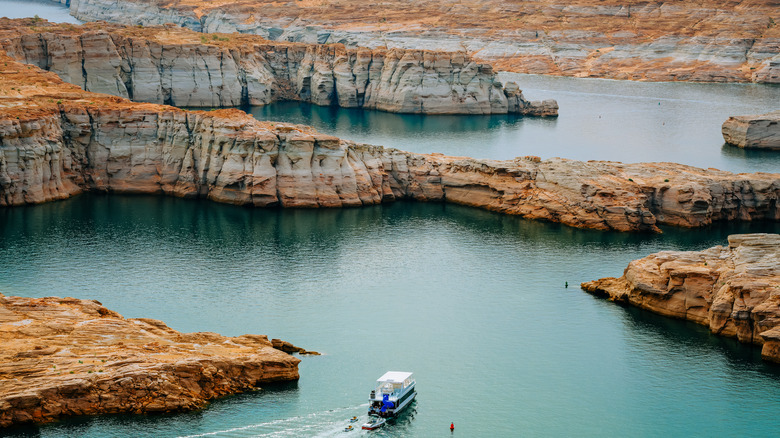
(706, 40)
(57, 140)
(753, 132)
(175, 66)
(734, 290)
(65, 356)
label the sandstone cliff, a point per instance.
(753, 132)
(184, 68)
(734, 290)
(65, 356)
(707, 40)
(57, 140)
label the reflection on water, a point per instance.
(473, 302)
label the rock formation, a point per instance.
(65, 356)
(287, 347)
(188, 69)
(753, 132)
(708, 40)
(734, 290)
(57, 140)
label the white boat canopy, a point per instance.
(394, 377)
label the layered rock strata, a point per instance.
(753, 132)
(708, 40)
(57, 140)
(65, 356)
(733, 290)
(179, 67)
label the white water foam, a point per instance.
(319, 424)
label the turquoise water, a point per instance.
(473, 302)
(599, 120)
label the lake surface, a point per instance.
(49, 10)
(599, 120)
(473, 302)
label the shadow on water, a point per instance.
(750, 154)
(167, 219)
(380, 123)
(270, 397)
(695, 338)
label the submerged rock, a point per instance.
(64, 356)
(733, 290)
(753, 132)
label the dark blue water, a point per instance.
(472, 302)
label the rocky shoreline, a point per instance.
(174, 66)
(65, 357)
(705, 41)
(734, 290)
(753, 132)
(57, 140)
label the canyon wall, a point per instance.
(184, 68)
(733, 290)
(57, 140)
(709, 40)
(65, 357)
(753, 132)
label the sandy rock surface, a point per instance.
(708, 40)
(734, 289)
(65, 356)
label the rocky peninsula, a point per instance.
(734, 290)
(753, 132)
(175, 66)
(57, 140)
(65, 356)
(707, 40)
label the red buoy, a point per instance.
(452, 426)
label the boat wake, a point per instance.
(317, 424)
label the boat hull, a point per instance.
(372, 426)
(392, 412)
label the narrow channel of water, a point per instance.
(599, 120)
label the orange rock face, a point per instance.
(57, 140)
(734, 290)
(65, 356)
(709, 40)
